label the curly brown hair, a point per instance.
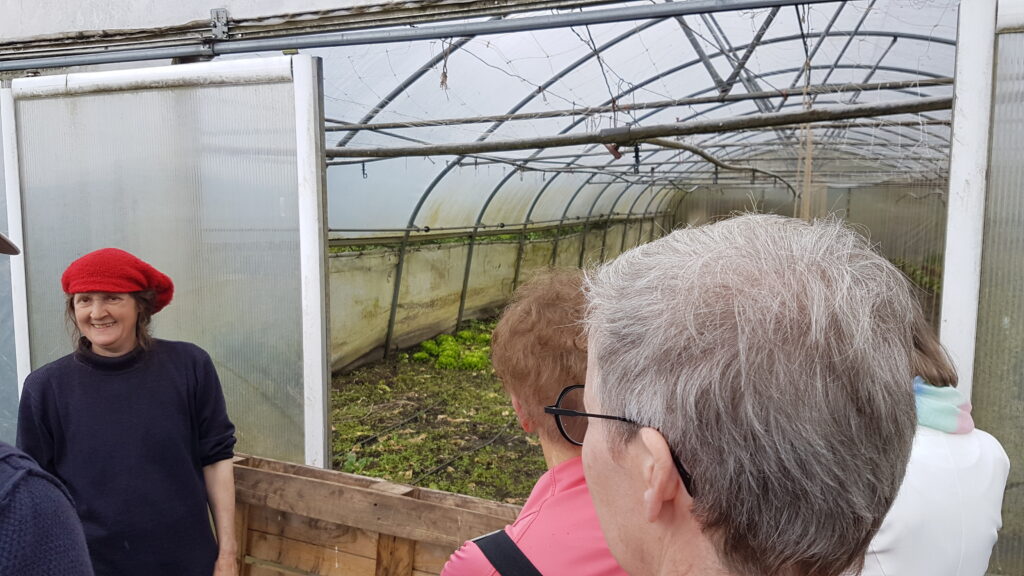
(538, 347)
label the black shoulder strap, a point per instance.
(505, 556)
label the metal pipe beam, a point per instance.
(731, 80)
(810, 56)
(587, 17)
(699, 50)
(657, 104)
(630, 134)
(846, 46)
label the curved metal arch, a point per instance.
(639, 233)
(628, 187)
(647, 210)
(611, 214)
(717, 107)
(720, 53)
(660, 211)
(412, 79)
(404, 85)
(697, 61)
(888, 164)
(598, 197)
(881, 160)
(788, 71)
(849, 131)
(565, 212)
(738, 137)
(558, 77)
(886, 129)
(490, 130)
(884, 159)
(652, 153)
(586, 222)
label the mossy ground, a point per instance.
(440, 421)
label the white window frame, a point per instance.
(299, 70)
(968, 170)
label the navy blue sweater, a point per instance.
(129, 437)
(39, 532)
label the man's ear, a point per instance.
(524, 420)
(663, 488)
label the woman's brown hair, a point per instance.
(929, 359)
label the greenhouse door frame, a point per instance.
(302, 71)
(968, 168)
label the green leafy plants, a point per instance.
(926, 275)
(468, 349)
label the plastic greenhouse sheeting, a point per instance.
(623, 64)
(169, 181)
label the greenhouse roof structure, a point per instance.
(530, 113)
(548, 125)
(537, 126)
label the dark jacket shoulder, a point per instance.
(179, 349)
(49, 372)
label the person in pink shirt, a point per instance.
(538, 349)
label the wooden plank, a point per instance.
(499, 509)
(241, 534)
(394, 556)
(395, 489)
(306, 558)
(430, 558)
(257, 570)
(309, 472)
(362, 507)
(313, 531)
(262, 568)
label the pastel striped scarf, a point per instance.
(945, 409)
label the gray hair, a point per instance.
(773, 356)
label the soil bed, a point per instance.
(435, 417)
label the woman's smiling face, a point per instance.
(108, 320)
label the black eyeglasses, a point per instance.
(574, 429)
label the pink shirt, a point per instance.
(557, 530)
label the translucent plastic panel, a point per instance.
(201, 182)
(8, 365)
(998, 393)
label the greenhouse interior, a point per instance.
(333, 186)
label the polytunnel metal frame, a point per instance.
(739, 73)
(738, 57)
(215, 46)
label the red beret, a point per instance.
(113, 270)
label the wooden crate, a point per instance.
(295, 519)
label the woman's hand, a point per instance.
(225, 566)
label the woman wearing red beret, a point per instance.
(135, 427)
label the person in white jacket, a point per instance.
(946, 516)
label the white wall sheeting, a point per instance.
(52, 17)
